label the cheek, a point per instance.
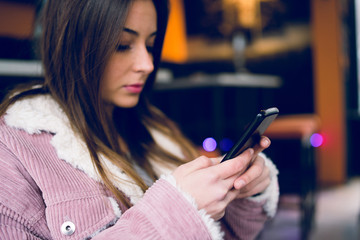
(105, 85)
(112, 76)
(108, 84)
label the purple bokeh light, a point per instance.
(209, 144)
(316, 140)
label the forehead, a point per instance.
(142, 16)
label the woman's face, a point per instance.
(129, 67)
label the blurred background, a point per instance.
(223, 61)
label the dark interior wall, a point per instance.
(352, 87)
(13, 48)
(294, 67)
(296, 95)
(218, 112)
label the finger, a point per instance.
(216, 160)
(255, 190)
(262, 145)
(265, 142)
(228, 183)
(254, 171)
(232, 194)
(199, 163)
(265, 177)
(236, 165)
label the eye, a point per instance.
(122, 48)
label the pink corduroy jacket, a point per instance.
(50, 190)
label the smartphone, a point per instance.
(251, 135)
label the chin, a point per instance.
(123, 101)
(129, 104)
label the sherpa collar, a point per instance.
(42, 113)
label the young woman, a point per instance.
(84, 155)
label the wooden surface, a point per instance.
(329, 89)
(16, 20)
(297, 126)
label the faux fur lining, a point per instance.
(115, 207)
(42, 113)
(271, 193)
(213, 227)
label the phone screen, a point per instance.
(252, 134)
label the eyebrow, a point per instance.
(128, 30)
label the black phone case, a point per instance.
(252, 134)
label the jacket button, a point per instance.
(68, 228)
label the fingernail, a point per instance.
(266, 142)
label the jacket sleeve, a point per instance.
(163, 213)
(243, 219)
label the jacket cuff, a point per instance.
(271, 194)
(213, 226)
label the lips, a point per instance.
(134, 88)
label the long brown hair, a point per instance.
(78, 39)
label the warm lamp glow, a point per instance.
(247, 12)
(175, 45)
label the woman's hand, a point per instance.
(257, 177)
(212, 184)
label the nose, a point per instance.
(144, 61)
